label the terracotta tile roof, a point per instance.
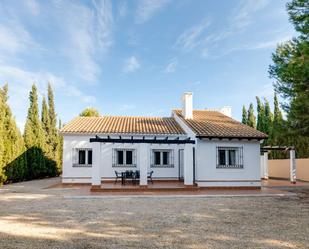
(123, 125)
(215, 124)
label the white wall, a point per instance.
(208, 175)
(83, 174)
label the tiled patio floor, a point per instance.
(178, 189)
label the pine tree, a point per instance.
(244, 115)
(34, 138)
(251, 119)
(90, 112)
(14, 158)
(260, 116)
(290, 70)
(53, 137)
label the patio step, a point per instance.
(145, 189)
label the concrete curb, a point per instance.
(175, 196)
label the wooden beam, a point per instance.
(141, 140)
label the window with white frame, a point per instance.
(82, 157)
(230, 157)
(124, 158)
(162, 158)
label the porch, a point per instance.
(147, 154)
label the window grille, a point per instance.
(124, 160)
(82, 157)
(162, 159)
(229, 158)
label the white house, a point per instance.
(203, 147)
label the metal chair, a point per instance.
(149, 176)
(118, 176)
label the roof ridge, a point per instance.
(123, 116)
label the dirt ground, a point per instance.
(34, 216)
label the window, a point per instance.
(82, 157)
(230, 157)
(162, 158)
(124, 158)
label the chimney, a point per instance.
(187, 111)
(227, 111)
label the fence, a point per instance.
(281, 169)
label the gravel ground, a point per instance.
(34, 217)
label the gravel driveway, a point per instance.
(34, 217)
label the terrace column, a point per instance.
(96, 163)
(265, 165)
(188, 164)
(143, 161)
(292, 166)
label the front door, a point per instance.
(181, 164)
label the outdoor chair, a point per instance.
(118, 176)
(149, 176)
(136, 176)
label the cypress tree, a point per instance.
(268, 118)
(34, 138)
(60, 147)
(2, 176)
(244, 115)
(14, 158)
(53, 138)
(278, 136)
(260, 115)
(251, 119)
(45, 126)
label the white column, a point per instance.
(188, 164)
(262, 166)
(143, 161)
(292, 166)
(96, 163)
(265, 164)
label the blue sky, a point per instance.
(138, 57)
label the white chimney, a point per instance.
(186, 100)
(227, 111)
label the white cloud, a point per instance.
(237, 22)
(171, 67)
(86, 35)
(81, 34)
(269, 44)
(242, 14)
(131, 64)
(15, 39)
(147, 8)
(191, 38)
(105, 22)
(20, 82)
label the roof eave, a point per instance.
(231, 137)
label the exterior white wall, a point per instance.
(83, 174)
(208, 175)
